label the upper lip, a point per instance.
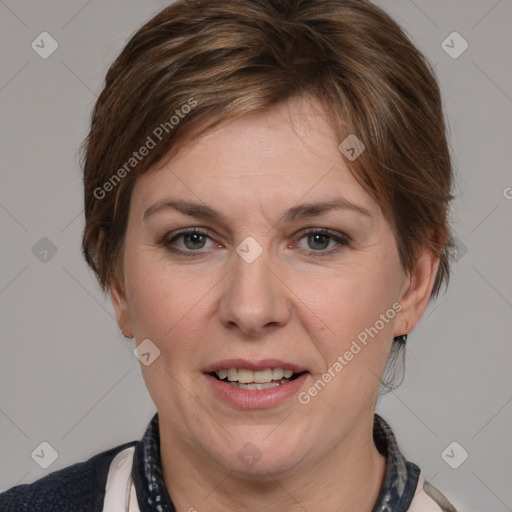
(255, 365)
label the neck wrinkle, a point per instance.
(290, 493)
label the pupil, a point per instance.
(197, 241)
(318, 238)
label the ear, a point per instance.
(118, 298)
(416, 291)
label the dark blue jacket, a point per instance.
(81, 487)
(76, 488)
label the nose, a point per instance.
(255, 300)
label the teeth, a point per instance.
(250, 378)
(245, 376)
(266, 385)
(277, 374)
(262, 376)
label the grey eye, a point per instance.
(318, 241)
(194, 241)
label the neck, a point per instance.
(350, 474)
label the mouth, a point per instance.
(255, 384)
(244, 378)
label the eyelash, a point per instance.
(341, 239)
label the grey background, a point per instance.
(69, 378)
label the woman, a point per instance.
(266, 193)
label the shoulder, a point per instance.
(429, 499)
(80, 487)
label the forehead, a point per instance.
(283, 155)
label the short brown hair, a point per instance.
(202, 62)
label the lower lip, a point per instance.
(255, 398)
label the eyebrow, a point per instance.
(299, 212)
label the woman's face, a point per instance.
(272, 258)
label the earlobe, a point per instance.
(416, 291)
(119, 302)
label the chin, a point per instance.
(266, 468)
(264, 458)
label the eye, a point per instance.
(321, 242)
(186, 241)
(193, 242)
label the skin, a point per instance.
(210, 304)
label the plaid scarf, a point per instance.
(400, 480)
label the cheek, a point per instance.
(166, 304)
(350, 316)
(353, 343)
(350, 299)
